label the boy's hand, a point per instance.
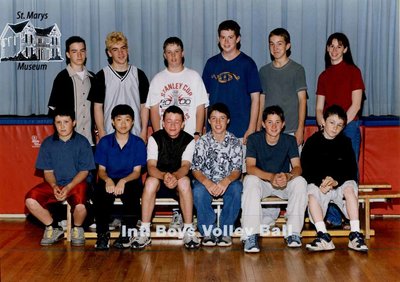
(119, 189)
(110, 186)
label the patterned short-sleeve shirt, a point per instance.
(216, 160)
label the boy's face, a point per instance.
(174, 55)
(218, 122)
(123, 123)
(173, 124)
(333, 125)
(77, 54)
(64, 126)
(119, 53)
(278, 47)
(273, 125)
(228, 40)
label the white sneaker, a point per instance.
(323, 242)
(176, 221)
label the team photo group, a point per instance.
(234, 132)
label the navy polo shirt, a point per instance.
(65, 158)
(120, 162)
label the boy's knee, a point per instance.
(31, 203)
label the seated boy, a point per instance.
(66, 159)
(330, 168)
(169, 156)
(217, 167)
(120, 156)
(268, 156)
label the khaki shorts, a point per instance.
(334, 195)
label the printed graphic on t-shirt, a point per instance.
(225, 77)
(177, 94)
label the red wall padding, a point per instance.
(19, 146)
(382, 162)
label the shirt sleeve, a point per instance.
(188, 153)
(143, 86)
(198, 155)
(152, 149)
(99, 95)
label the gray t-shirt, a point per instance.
(281, 85)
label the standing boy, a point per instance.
(180, 86)
(268, 156)
(284, 84)
(72, 87)
(169, 157)
(231, 77)
(120, 156)
(66, 159)
(120, 83)
(330, 168)
(217, 167)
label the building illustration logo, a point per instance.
(24, 42)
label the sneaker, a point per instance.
(103, 241)
(115, 224)
(176, 221)
(356, 242)
(209, 241)
(63, 224)
(51, 235)
(77, 236)
(190, 240)
(293, 241)
(323, 242)
(251, 244)
(141, 241)
(122, 242)
(224, 241)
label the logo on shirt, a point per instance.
(225, 77)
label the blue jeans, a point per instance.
(352, 130)
(206, 217)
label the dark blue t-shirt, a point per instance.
(120, 162)
(273, 159)
(66, 159)
(231, 83)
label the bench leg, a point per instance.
(69, 222)
(367, 219)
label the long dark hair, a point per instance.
(344, 41)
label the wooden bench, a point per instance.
(368, 193)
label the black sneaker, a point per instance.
(356, 242)
(103, 241)
(122, 243)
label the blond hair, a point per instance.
(114, 38)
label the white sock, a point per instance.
(320, 226)
(355, 225)
(187, 226)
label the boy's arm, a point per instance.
(183, 170)
(299, 134)
(254, 110)
(155, 117)
(154, 171)
(296, 168)
(200, 118)
(252, 169)
(260, 112)
(99, 119)
(79, 177)
(144, 117)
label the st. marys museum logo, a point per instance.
(22, 42)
